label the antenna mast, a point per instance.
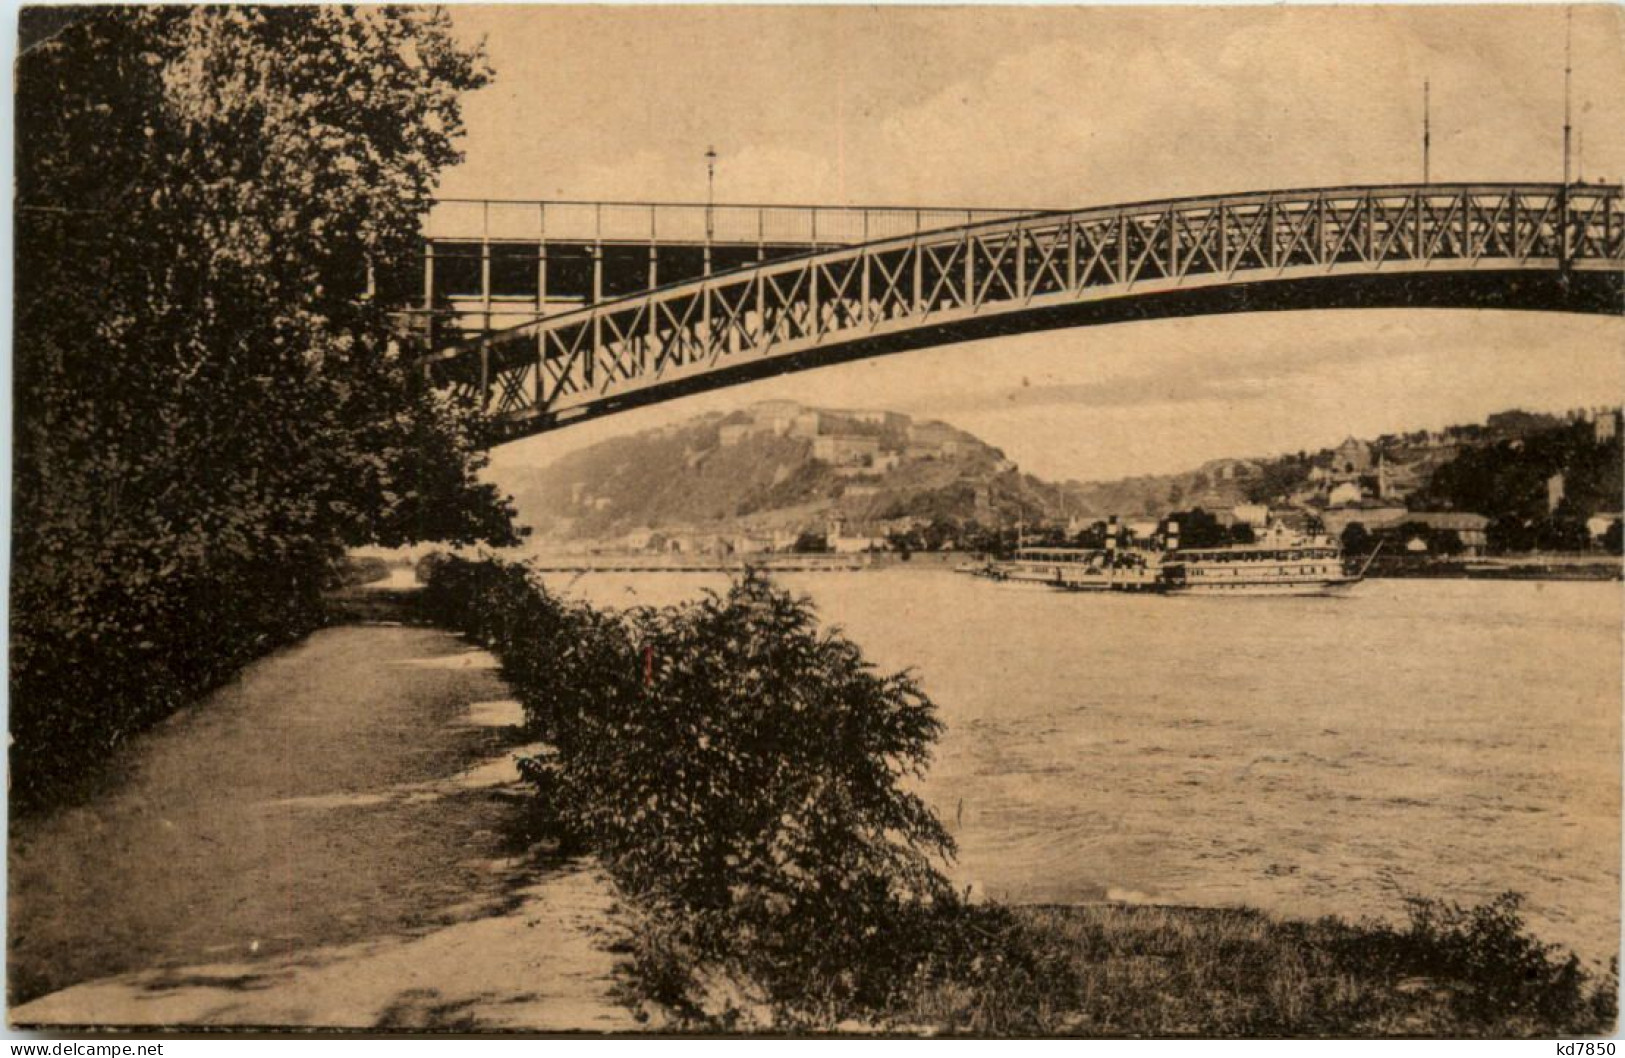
(1427, 130)
(1568, 80)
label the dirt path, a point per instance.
(326, 842)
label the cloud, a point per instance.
(1066, 106)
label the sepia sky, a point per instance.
(1060, 108)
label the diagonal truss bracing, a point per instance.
(551, 369)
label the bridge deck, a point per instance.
(493, 263)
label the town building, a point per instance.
(1256, 515)
(637, 539)
(775, 416)
(1605, 427)
(872, 418)
(841, 544)
(838, 450)
(1352, 457)
(1396, 481)
(1471, 529)
(805, 424)
(1372, 514)
(1598, 524)
(935, 435)
(751, 543)
(1143, 531)
(1345, 494)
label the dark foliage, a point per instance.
(1357, 539)
(739, 770)
(1279, 478)
(209, 407)
(1491, 969)
(1198, 528)
(1508, 482)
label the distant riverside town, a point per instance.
(779, 477)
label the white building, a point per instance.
(848, 451)
(1256, 515)
(1344, 495)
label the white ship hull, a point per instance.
(1242, 589)
(1013, 571)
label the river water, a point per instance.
(1305, 756)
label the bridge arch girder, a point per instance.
(1534, 246)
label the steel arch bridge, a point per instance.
(1522, 246)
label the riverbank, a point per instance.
(1499, 567)
(335, 839)
(1587, 567)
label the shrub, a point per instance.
(738, 770)
(1494, 970)
(1511, 972)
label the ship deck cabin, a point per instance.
(1054, 554)
(1102, 558)
(1262, 554)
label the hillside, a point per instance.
(1401, 466)
(776, 470)
(779, 468)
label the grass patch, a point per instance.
(1175, 971)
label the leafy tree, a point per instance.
(1561, 532)
(1356, 538)
(939, 533)
(1278, 478)
(1509, 532)
(810, 542)
(905, 542)
(974, 536)
(1198, 528)
(1446, 542)
(209, 406)
(1092, 536)
(1613, 537)
(1507, 481)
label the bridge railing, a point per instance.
(693, 223)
